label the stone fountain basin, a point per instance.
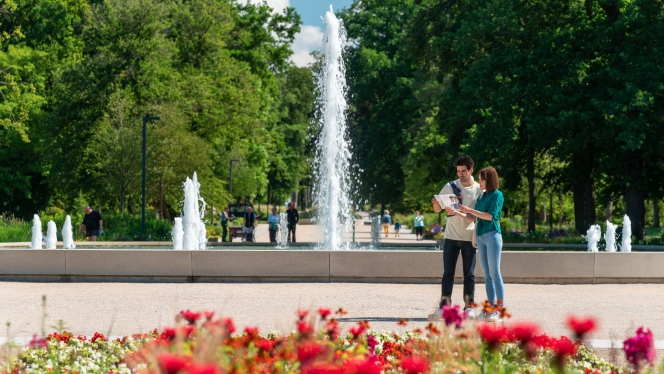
(306, 265)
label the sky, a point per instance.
(310, 37)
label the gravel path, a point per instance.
(126, 308)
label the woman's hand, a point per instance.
(464, 209)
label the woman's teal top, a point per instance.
(492, 203)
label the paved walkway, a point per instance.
(125, 308)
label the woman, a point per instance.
(387, 221)
(489, 238)
(225, 217)
(419, 225)
(273, 221)
(249, 224)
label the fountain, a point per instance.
(177, 234)
(36, 233)
(593, 236)
(610, 236)
(333, 153)
(626, 245)
(51, 235)
(282, 238)
(67, 234)
(375, 231)
(194, 235)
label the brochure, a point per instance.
(448, 201)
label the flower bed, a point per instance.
(199, 343)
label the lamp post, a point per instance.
(145, 121)
(230, 185)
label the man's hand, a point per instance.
(436, 207)
(451, 211)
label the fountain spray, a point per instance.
(177, 234)
(67, 235)
(194, 236)
(610, 236)
(332, 179)
(51, 235)
(282, 238)
(593, 236)
(36, 233)
(626, 245)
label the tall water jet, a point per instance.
(593, 236)
(177, 234)
(332, 179)
(610, 236)
(194, 236)
(626, 245)
(282, 238)
(67, 234)
(51, 235)
(36, 233)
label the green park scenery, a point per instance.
(561, 96)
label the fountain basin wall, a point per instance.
(412, 266)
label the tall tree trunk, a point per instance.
(530, 166)
(655, 211)
(584, 190)
(550, 211)
(609, 209)
(635, 201)
(122, 200)
(560, 211)
(162, 205)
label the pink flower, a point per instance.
(640, 347)
(371, 342)
(453, 315)
(37, 342)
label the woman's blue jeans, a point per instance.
(489, 246)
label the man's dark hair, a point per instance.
(464, 161)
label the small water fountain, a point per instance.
(67, 234)
(282, 238)
(177, 234)
(626, 245)
(610, 236)
(593, 236)
(194, 235)
(331, 164)
(51, 235)
(375, 231)
(36, 233)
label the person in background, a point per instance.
(92, 224)
(386, 220)
(418, 224)
(489, 238)
(273, 221)
(397, 227)
(249, 226)
(225, 217)
(293, 218)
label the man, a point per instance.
(225, 217)
(249, 224)
(293, 218)
(92, 224)
(458, 238)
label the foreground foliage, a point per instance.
(201, 343)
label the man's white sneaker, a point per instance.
(470, 313)
(495, 316)
(436, 315)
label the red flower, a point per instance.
(322, 369)
(38, 342)
(190, 316)
(264, 344)
(363, 366)
(341, 312)
(543, 341)
(209, 314)
(324, 312)
(524, 332)
(563, 348)
(581, 326)
(98, 336)
(332, 329)
(402, 322)
(172, 364)
(414, 365)
(302, 314)
(492, 335)
(227, 324)
(204, 369)
(252, 332)
(308, 351)
(356, 330)
(305, 328)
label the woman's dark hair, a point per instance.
(464, 161)
(490, 176)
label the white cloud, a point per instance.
(306, 41)
(277, 5)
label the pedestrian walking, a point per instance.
(273, 222)
(397, 227)
(386, 221)
(225, 218)
(458, 238)
(418, 224)
(249, 225)
(92, 224)
(489, 237)
(293, 217)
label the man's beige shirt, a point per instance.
(456, 227)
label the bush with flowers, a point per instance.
(200, 343)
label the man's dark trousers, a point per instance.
(291, 229)
(451, 250)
